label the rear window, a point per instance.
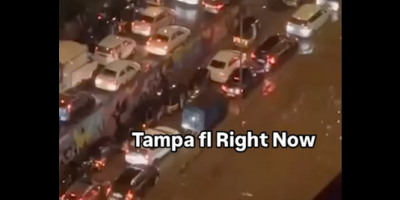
(146, 19)
(269, 43)
(103, 49)
(217, 64)
(109, 73)
(298, 21)
(126, 178)
(161, 38)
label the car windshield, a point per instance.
(298, 21)
(108, 73)
(161, 38)
(217, 64)
(103, 49)
(147, 19)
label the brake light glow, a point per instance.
(129, 196)
(218, 6)
(236, 78)
(253, 55)
(108, 190)
(99, 17)
(224, 88)
(271, 60)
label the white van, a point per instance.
(307, 19)
(74, 64)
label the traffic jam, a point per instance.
(121, 61)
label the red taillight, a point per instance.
(99, 17)
(129, 195)
(219, 6)
(69, 107)
(271, 60)
(108, 190)
(223, 87)
(253, 55)
(236, 78)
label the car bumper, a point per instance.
(141, 32)
(156, 51)
(211, 10)
(304, 33)
(190, 2)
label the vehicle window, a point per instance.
(161, 38)
(173, 36)
(270, 42)
(233, 61)
(179, 33)
(108, 73)
(128, 69)
(139, 180)
(217, 64)
(122, 73)
(315, 16)
(298, 21)
(147, 19)
(103, 49)
(160, 17)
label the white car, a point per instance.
(146, 156)
(151, 19)
(307, 19)
(167, 39)
(223, 64)
(190, 2)
(215, 6)
(113, 48)
(330, 4)
(113, 75)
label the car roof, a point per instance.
(111, 41)
(68, 50)
(153, 11)
(306, 11)
(225, 55)
(168, 30)
(119, 65)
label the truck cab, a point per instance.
(74, 64)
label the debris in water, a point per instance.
(247, 194)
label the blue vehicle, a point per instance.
(204, 112)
